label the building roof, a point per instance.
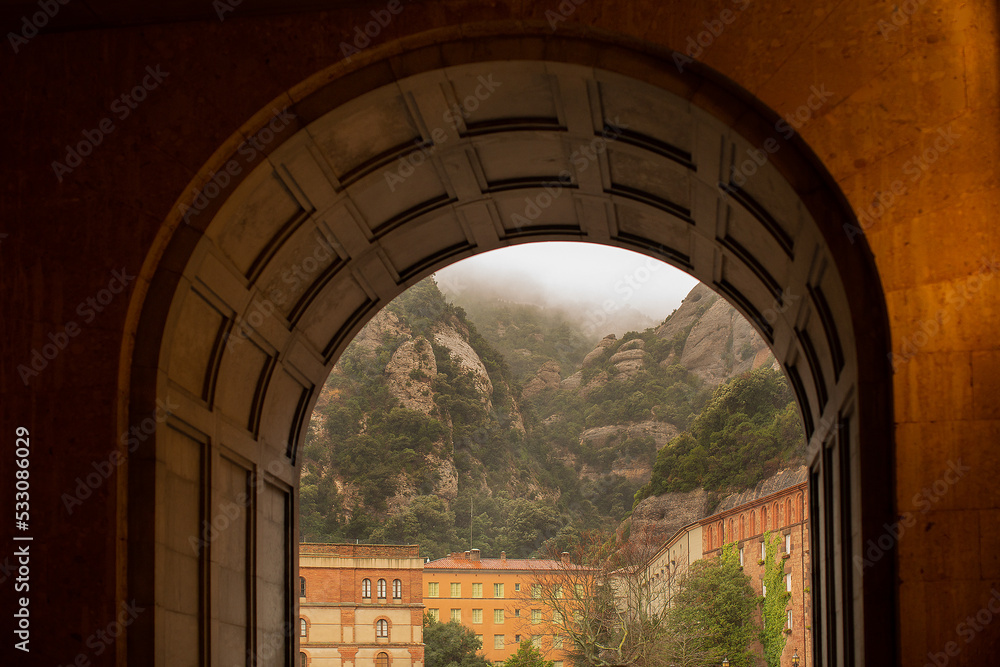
(353, 550)
(780, 481)
(460, 561)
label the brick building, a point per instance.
(360, 605)
(494, 597)
(780, 506)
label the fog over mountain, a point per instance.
(599, 289)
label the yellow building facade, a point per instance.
(493, 596)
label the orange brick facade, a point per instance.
(493, 597)
(785, 515)
(360, 605)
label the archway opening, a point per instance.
(257, 299)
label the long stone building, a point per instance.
(780, 506)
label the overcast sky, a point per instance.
(568, 273)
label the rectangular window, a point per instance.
(579, 591)
(477, 616)
(788, 543)
(789, 619)
(557, 641)
(432, 589)
(788, 583)
(557, 590)
(435, 614)
(498, 616)
(536, 641)
(456, 615)
(456, 589)
(517, 587)
(517, 613)
(536, 616)
(741, 556)
(477, 590)
(517, 639)
(536, 591)
(557, 617)
(498, 641)
(479, 638)
(557, 663)
(498, 590)
(763, 551)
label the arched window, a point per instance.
(302, 588)
(789, 519)
(763, 519)
(366, 588)
(743, 526)
(775, 516)
(798, 507)
(397, 590)
(302, 627)
(303, 660)
(382, 659)
(381, 589)
(382, 628)
(753, 522)
(731, 534)
(710, 531)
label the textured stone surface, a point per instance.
(546, 379)
(466, 357)
(662, 516)
(409, 374)
(599, 351)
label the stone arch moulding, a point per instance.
(403, 165)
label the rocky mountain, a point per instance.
(519, 429)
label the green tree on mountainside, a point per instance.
(749, 429)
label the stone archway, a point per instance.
(379, 176)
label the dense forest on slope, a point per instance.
(748, 431)
(521, 437)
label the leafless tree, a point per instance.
(606, 600)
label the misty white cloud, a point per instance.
(602, 279)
